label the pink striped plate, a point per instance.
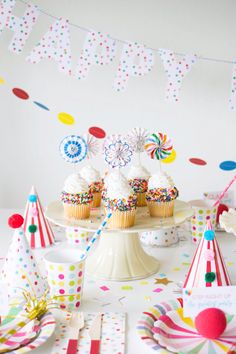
(149, 317)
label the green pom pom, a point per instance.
(32, 229)
(210, 277)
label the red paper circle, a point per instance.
(197, 161)
(15, 221)
(211, 323)
(20, 93)
(97, 132)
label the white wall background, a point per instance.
(200, 125)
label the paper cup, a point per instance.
(160, 238)
(65, 274)
(77, 236)
(203, 211)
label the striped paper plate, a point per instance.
(149, 317)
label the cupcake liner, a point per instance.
(81, 211)
(122, 219)
(161, 209)
(141, 201)
(97, 197)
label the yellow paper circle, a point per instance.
(171, 158)
(66, 118)
(1, 80)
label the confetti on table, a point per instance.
(147, 298)
(176, 269)
(230, 263)
(157, 290)
(126, 287)
(164, 281)
(144, 282)
(1, 80)
(104, 288)
(197, 161)
(186, 255)
(186, 264)
(162, 275)
(20, 93)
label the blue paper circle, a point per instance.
(32, 198)
(41, 105)
(227, 165)
(209, 235)
(73, 148)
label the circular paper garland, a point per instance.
(92, 144)
(137, 138)
(158, 146)
(73, 148)
(117, 151)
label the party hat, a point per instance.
(20, 271)
(208, 268)
(36, 227)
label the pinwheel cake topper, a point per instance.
(92, 144)
(158, 146)
(73, 148)
(137, 138)
(117, 151)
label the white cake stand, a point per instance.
(119, 255)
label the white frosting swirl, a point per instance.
(112, 176)
(138, 171)
(90, 174)
(75, 184)
(160, 180)
(118, 187)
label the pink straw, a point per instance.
(224, 191)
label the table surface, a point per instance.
(132, 297)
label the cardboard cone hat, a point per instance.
(20, 270)
(36, 227)
(208, 268)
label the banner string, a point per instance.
(85, 29)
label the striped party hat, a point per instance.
(36, 227)
(208, 268)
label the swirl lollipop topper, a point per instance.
(73, 148)
(137, 138)
(117, 151)
(92, 144)
(158, 146)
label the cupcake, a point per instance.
(93, 178)
(76, 197)
(121, 200)
(161, 195)
(138, 179)
(109, 176)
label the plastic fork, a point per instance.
(75, 325)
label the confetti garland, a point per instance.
(73, 149)
(92, 144)
(158, 146)
(117, 151)
(137, 138)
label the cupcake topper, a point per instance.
(137, 138)
(92, 144)
(158, 146)
(117, 151)
(73, 148)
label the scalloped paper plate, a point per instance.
(228, 221)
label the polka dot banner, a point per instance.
(175, 70)
(20, 93)
(55, 45)
(99, 49)
(21, 27)
(197, 161)
(98, 133)
(66, 118)
(1, 80)
(127, 66)
(227, 165)
(41, 105)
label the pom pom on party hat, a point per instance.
(36, 227)
(20, 270)
(208, 268)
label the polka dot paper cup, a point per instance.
(203, 211)
(77, 236)
(65, 274)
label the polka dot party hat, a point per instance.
(208, 268)
(20, 270)
(36, 227)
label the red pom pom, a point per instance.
(15, 221)
(221, 208)
(211, 323)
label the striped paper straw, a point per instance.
(95, 236)
(224, 191)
